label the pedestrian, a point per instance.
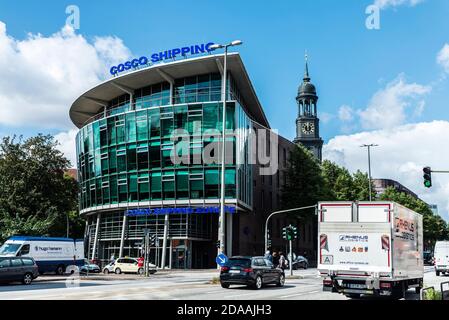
(275, 259)
(268, 256)
(282, 261)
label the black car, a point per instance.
(18, 269)
(251, 271)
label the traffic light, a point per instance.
(284, 233)
(427, 177)
(152, 240)
(294, 232)
(218, 244)
(269, 243)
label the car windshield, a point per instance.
(245, 263)
(9, 248)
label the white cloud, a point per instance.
(387, 108)
(41, 76)
(345, 113)
(383, 4)
(402, 153)
(67, 144)
(443, 58)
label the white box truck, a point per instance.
(50, 254)
(370, 248)
(441, 256)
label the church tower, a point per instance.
(307, 123)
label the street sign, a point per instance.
(221, 259)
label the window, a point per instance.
(156, 187)
(5, 263)
(28, 262)
(25, 250)
(16, 262)
(211, 185)
(182, 185)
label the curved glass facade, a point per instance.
(127, 157)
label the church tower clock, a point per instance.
(307, 123)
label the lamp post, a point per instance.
(368, 146)
(221, 227)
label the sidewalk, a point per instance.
(115, 277)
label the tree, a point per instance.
(305, 183)
(343, 186)
(36, 196)
(434, 227)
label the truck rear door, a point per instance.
(354, 239)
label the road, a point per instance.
(184, 285)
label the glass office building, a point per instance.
(149, 139)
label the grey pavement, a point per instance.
(194, 285)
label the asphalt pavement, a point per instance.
(193, 285)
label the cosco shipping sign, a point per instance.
(161, 56)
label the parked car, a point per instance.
(130, 265)
(89, 267)
(254, 272)
(109, 267)
(300, 262)
(18, 269)
(428, 258)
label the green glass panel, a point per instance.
(182, 184)
(211, 183)
(131, 157)
(132, 187)
(131, 127)
(156, 186)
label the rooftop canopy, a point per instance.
(92, 102)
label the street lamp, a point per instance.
(221, 228)
(368, 146)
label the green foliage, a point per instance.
(35, 194)
(342, 186)
(432, 294)
(305, 184)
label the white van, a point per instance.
(50, 254)
(441, 255)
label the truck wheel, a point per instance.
(60, 270)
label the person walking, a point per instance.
(282, 261)
(268, 256)
(275, 259)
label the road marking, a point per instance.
(300, 294)
(240, 295)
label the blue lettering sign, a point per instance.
(160, 56)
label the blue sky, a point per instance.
(348, 62)
(370, 82)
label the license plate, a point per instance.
(356, 286)
(234, 271)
